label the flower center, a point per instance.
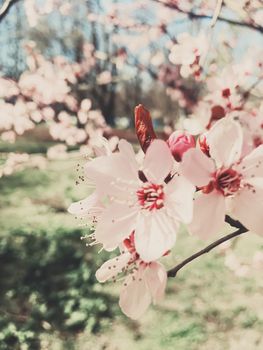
(151, 196)
(227, 181)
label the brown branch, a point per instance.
(241, 229)
(193, 15)
(5, 8)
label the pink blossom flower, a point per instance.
(188, 51)
(228, 183)
(179, 142)
(151, 200)
(144, 283)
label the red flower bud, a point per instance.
(144, 127)
(179, 142)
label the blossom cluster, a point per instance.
(140, 200)
(34, 99)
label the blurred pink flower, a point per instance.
(188, 51)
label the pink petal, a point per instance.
(225, 141)
(179, 195)
(154, 235)
(156, 279)
(197, 167)
(247, 207)
(252, 164)
(126, 150)
(112, 267)
(116, 223)
(209, 215)
(135, 296)
(158, 161)
(113, 175)
(87, 206)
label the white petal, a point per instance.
(155, 234)
(86, 207)
(247, 207)
(126, 150)
(113, 175)
(112, 267)
(158, 161)
(209, 215)
(156, 279)
(252, 164)
(197, 167)
(116, 223)
(135, 298)
(179, 195)
(225, 141)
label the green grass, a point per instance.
(206, 306)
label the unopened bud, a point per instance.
(144, 127)
(179, 142)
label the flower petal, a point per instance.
(116, 174)
(252, 164)
(86, 207)
(155, 233)
(135, 296)
(156, 279)
(158, 161)
(225, 140)
(209, 215)
(197, 167)
(247, 207)
(116, 223)
(179, 195)
(112, 267)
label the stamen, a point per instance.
(151, 196)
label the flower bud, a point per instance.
(179, 142)
(144, 127)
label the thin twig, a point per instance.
(6, 7)
(193, 15)
(173, 272)
(216, 13)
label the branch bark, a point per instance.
(193, 15)
(234, 223)
(5, 8)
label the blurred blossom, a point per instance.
(85, 104)
(57, 152)
(104, 78)
(188, 51)
(18, 161)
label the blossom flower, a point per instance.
(187, 52)
(227, 182)
(151, 200)
(144, 283)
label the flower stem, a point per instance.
(241, 229)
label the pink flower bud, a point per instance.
(180, 142)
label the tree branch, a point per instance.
(241, 229)
(6, 7)
(193, 15)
